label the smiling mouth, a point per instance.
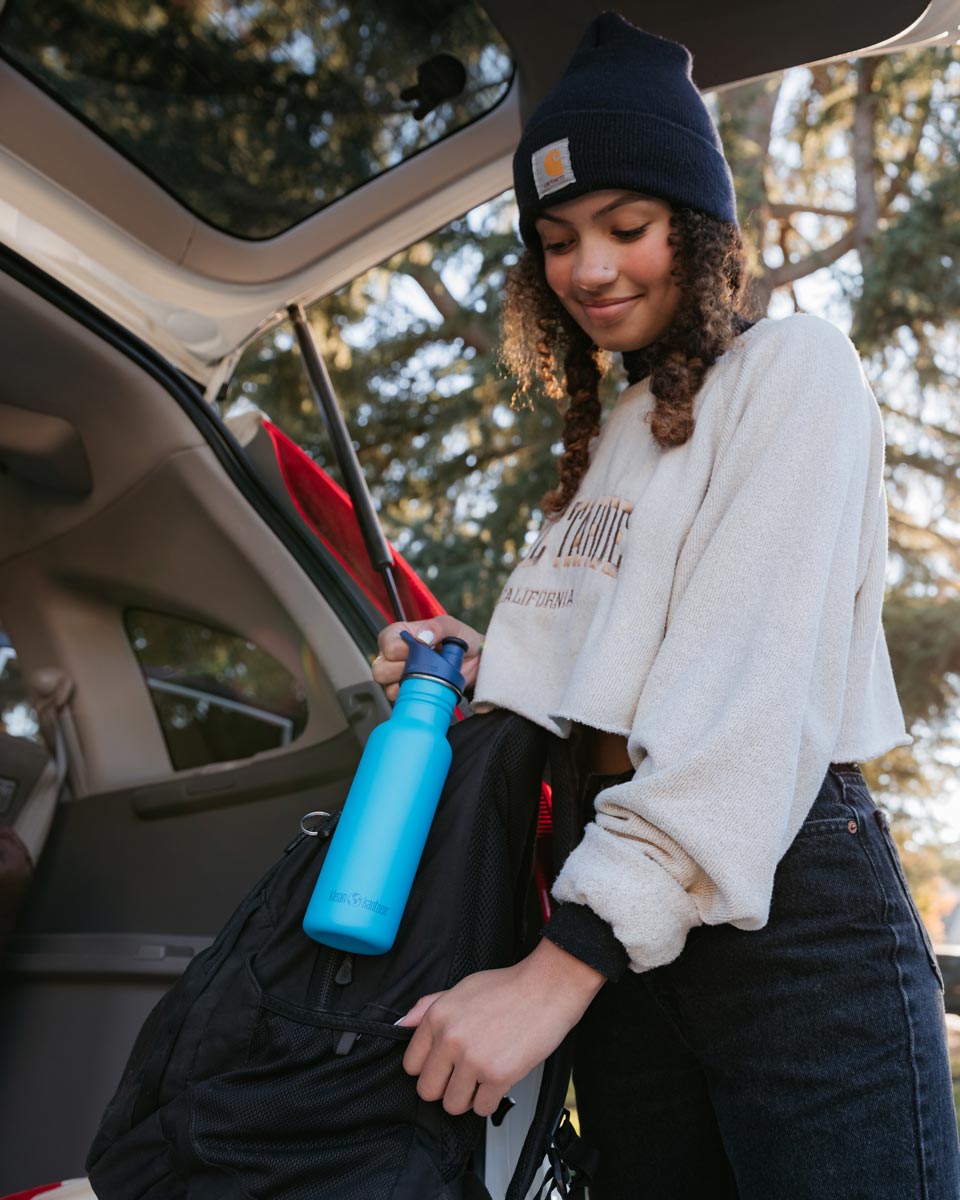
(607, 308)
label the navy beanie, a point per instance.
(624, 114)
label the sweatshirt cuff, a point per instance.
(650, 911)
(578, 930)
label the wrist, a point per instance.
(559, 971)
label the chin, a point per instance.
(620, 344)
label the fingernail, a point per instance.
(427, 635)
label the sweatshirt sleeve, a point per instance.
(739, 715)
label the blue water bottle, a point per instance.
(366, 877)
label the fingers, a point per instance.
(426, 1056)
(451, 1076)
(422, 1041)
(416, 1014)
(435, 1079)
(444, 1065)
(392, 646)
(388, 665)
(487, 1099)
(473, 1042)
(460, 1090)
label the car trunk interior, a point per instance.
(114, 501)
(111, 500)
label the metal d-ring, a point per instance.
(308, 829)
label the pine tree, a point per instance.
(849, 190)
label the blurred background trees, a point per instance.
(849, 189)
(257, 115)
(848, 177)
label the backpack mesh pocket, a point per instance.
(292, 1124)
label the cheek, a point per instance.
(652, 262)
(556, 271)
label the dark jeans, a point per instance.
(802, 1061)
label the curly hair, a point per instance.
(541, 343)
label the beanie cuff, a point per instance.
(591, 150)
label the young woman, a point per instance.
(759, 1011)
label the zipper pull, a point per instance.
(345, 974)
(346, 1042)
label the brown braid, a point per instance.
(539, 335)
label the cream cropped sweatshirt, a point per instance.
(719, 605)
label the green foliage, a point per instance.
(924, 639)
(915, 281)
(257, 115)
(457, 472)
(933, 869)
(853, 185)
(190, 666)
(847, 176)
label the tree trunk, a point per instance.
(864, 163)
(746, 122)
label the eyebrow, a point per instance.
(619, 202)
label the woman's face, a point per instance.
(607, 257)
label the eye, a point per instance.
(631, 235)
(556, 247)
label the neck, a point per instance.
(640, 363)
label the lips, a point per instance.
(604, 311)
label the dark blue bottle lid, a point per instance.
(442, 663)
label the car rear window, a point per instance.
(18, 718)
(257, 115)
(218, 696)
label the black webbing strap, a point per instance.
(572, 1164)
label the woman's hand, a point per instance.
(389, 663)
(475, 1041)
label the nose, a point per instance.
(594, 267)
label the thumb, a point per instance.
(416, 1014)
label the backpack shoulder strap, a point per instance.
(552, 1136)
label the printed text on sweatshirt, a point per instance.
(718, 604)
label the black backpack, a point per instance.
(272, 1069)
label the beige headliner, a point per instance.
(163, 528)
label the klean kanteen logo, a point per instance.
(356, 900)
(552, 169)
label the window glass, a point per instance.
(18, 717)
(218, 696)
(256, 115)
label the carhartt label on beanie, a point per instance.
(624, 114)
(551, 167)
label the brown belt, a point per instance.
(846, 767)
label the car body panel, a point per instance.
(327, 509)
